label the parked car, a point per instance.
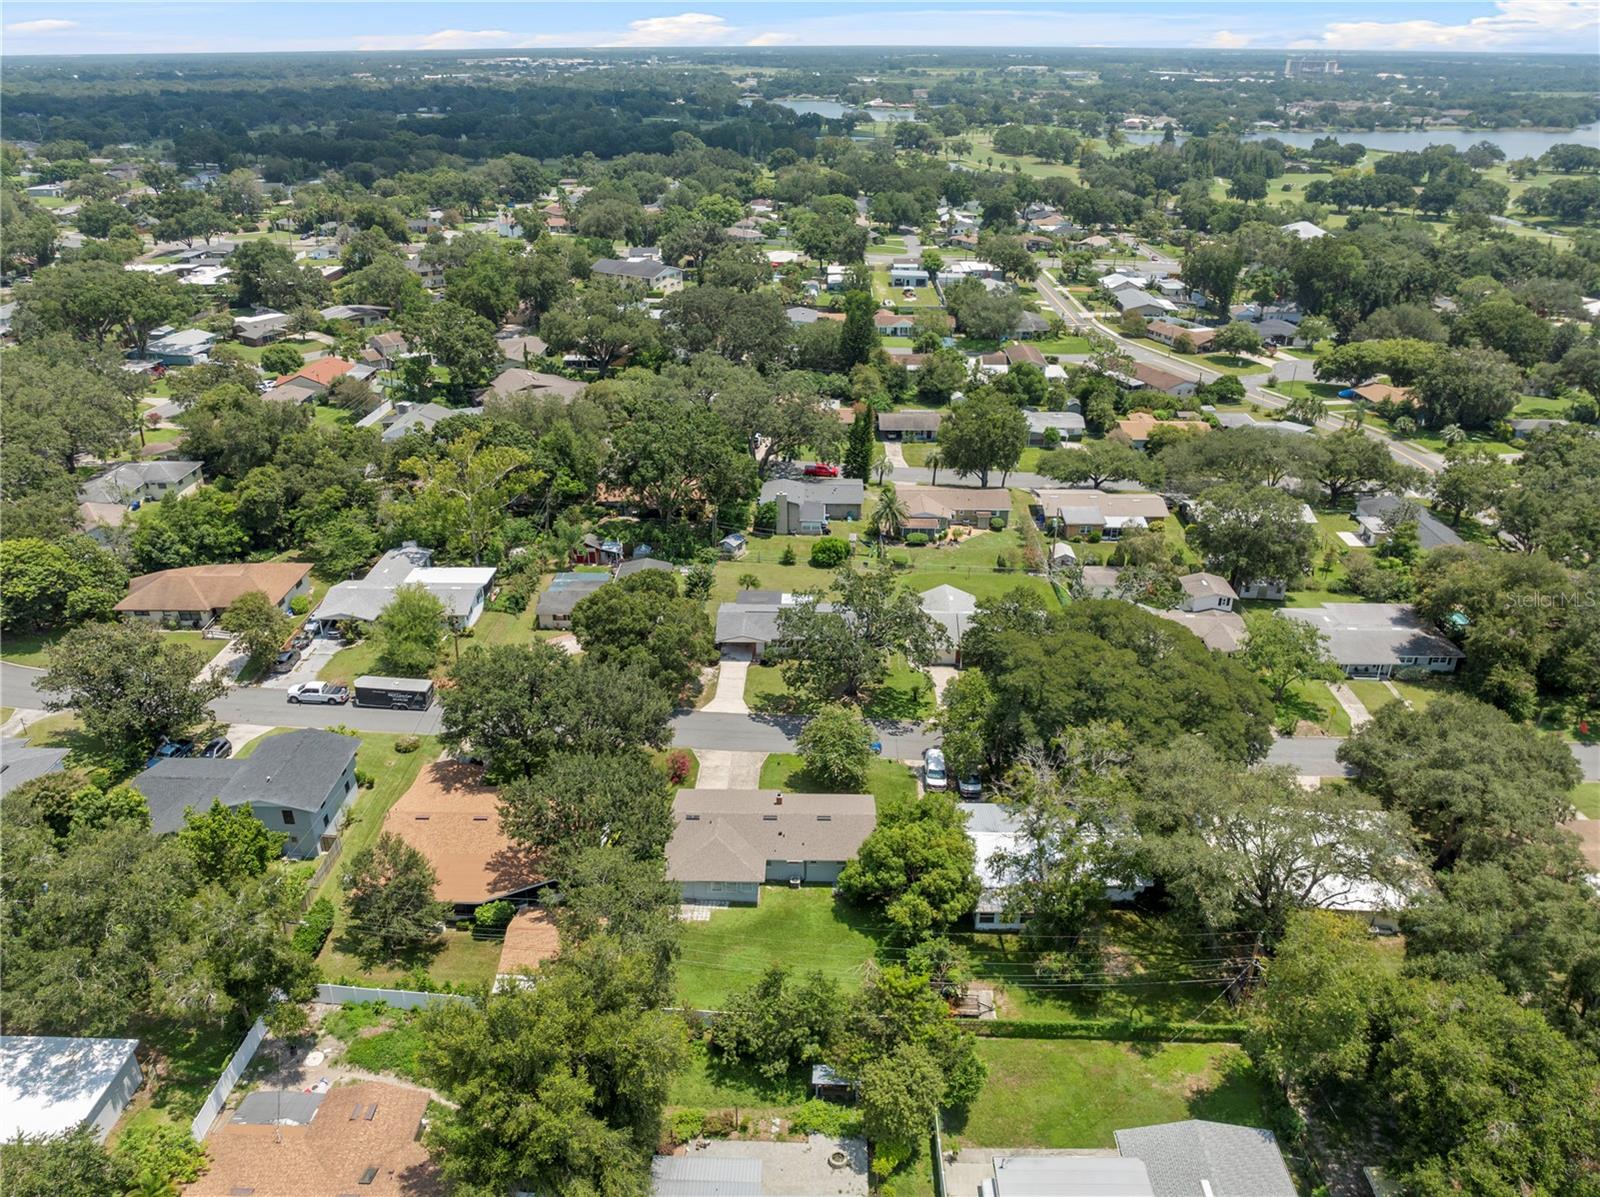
(820, 469)
(324, 692)
(970, 786)
(169, 750)
(286, 660)
(216, 749)
(934, 776)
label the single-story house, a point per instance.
(21, 762)
(1523, 428)
(517, 381)
(650, 273)
(910, 424)
(805, 505)
(1196, 1156)
(952, 609)
(937, 507)
(1207, 592)
(1373, 640)
(1116, 281)
(892, 324)
(361, 1138)
(1019, 354)
(299, 784)
(107, 498)
(1219, 629)
(53, 1084)
(1374, 517)
(1157, 379)
(1068, 425)
(296, 392)
(453, 819)
(639, 565)
(1277, 332)
(1135, 428)
(746, 626)
(1382, 392)
(180, 347)
(260, 328)
(521, 348)
(1168, 333)
(1080, 512)
(1030, 325)
(1243, 419)
(594, 549)
(566, 591)
(799, 315)
(319, 373)
(400, 419)
(728, 843)
(904, 277)
(197, 595)
(359, 314)
(1304, 230)
(462, 589)
(1143, 303)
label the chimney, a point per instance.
(778, 801)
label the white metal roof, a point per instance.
(50, 1083)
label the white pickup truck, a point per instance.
(325, 692)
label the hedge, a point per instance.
(313, 930)
(1113, 1029)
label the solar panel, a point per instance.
(372, 1111)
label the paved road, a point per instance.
(1315, 756)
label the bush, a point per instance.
(492, 916)
(300, 604)
(916, 540)
(788, 557)
(996, 523)
(313, 930)
(407, 743)
(719, 1124)
(1008, 561)
(829, 553)
(364, 779)
(679, 763)
(818, 1117)
(687, 1125)
(900, 560)
(163, 1153)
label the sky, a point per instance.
(153, 27)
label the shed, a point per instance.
(830, 1086)
(51, 1084)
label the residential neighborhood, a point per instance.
(800, 601)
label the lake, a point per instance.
(1517, 143)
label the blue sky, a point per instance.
(125, 27)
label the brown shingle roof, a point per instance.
(531, 939)
(453, 819)
(729, 835)
(211, 587)
(327, 1157)
(323, 370)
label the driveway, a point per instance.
(723, 770)
(729, 698)
(942, 676)
(317, 654)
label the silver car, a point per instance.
(934, 776)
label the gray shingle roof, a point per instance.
(729, 835)
(815, 490)
(1237, 1161)
(1431, 534)
(1373, 633)
(643, 268)
(21, 763)
(120, 481)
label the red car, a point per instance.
(821, 469)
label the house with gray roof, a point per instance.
(107, 498)
(805, 505)
(20, 762)
(1373, 640)
(299, 784)
(747, 625)
(518, 381)
(360, 314)
(180, 347)
(1143, 303)
(1377, 516)
(260, 328)
(418, 417)
(1194, 1157)
(910, 424)
(1068, 425)
(651, 273)
(566, 591)
(463, 590)
(728, 843)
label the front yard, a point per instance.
(906, 693)
(887, 781)
(33, 648)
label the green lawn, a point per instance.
(457, 959)
(33, 648)
(1420, 695)
(1314, 701)
(916, 454)
(1587, 798)
(906, 694)
(329, 416)
(1075, 1093)
(1534, 407)
(63, 730)
(188, 1062)
(887, 781)
(392, 774)
(709, 1084)
(252, 353)
(1063, 346)
(347, 664)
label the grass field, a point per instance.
(252, 353)
(887, 781)
(33, 648)
(189, 1060)
(906, 693)
(709, 1084)
(1314, 701)
(392, 774)
(1587, 799)
(1076, 1092)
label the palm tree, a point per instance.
(890, 515)
(933, 461)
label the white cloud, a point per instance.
(1531, 24)
(456, 39)
(684, 29)
(1224, 39)
(45, 26)
(771, 39)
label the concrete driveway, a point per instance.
(722, 770)
(317, 654)
(729, 698)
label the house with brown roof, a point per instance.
(363, 1138)
(937, 507)
(453, 819)
(197, 595)
(322, 372)
(1382, 392)
(1019, 354)
(531, 939)
(1082, 512)
(1135, 428)
(1168, 333)
(893, 324)
(909, 424)
(728, 843)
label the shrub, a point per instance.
(996, 524)
(164, 1153)
(818, 1117)
(300, 604)
(1008, 561)
(687, 1124)
(313, 930)
(900, 561)
(678, 765)
(916, 540)
(491, 916)
(364, 779)
(829, 553)
(407, 743)
(395, 1051)
(719, 1124)
(788, 557)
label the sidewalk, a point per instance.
(1353, 706)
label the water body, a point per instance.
(832, 110)
(1517, 143)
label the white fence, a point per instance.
(399, 999)
(225, 1083)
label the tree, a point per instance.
(1469, 387)
(343, 545)
(128, 686)
(228, 844)
(842, 648)
(462, 342)
(889, 517)
(1213, 268)
(858, 449)
(740, 327)
(897, 1103)
(259, 625)
(676, 451)
(1286, 651)
(916, 867)
(1252, 534)
(72, 1162)
(1096, 463)
(1237, 337)
(836, 745)
(1469, 778)
(1505, 325)
(580, 800)
(1350, 460)
(780, 1023)
(462, 494)
(50, 584)
(603, 322)
(987, 432)
(779, 416)
(559, 1086)
(1009, 255)
(516, 705)
(1252, 454)
(409, 632)
(1472, 481)
(1242, 849)
(644, 619)
(964, 718)
(389, 888)
(860, 336)
(281, 359)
